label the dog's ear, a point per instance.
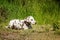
(28, 24)
(25, 21)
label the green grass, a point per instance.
(44, 11)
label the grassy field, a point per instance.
(45, 12)
(29, 34)
(38, 32)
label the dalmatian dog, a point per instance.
(22, 24)
(30, 19)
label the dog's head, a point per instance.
(31, 20)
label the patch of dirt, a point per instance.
(11, 36)
(33, 36)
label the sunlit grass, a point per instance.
(44, 12)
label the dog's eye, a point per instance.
(31, 19)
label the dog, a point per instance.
(22, 24)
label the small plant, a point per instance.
(55, 26)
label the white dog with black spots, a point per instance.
(22, 24)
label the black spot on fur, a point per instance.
(13, 27)
(28, 24)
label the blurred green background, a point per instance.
(44, 11)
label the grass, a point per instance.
(38, 32)
(45, 12)
(29, 34)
